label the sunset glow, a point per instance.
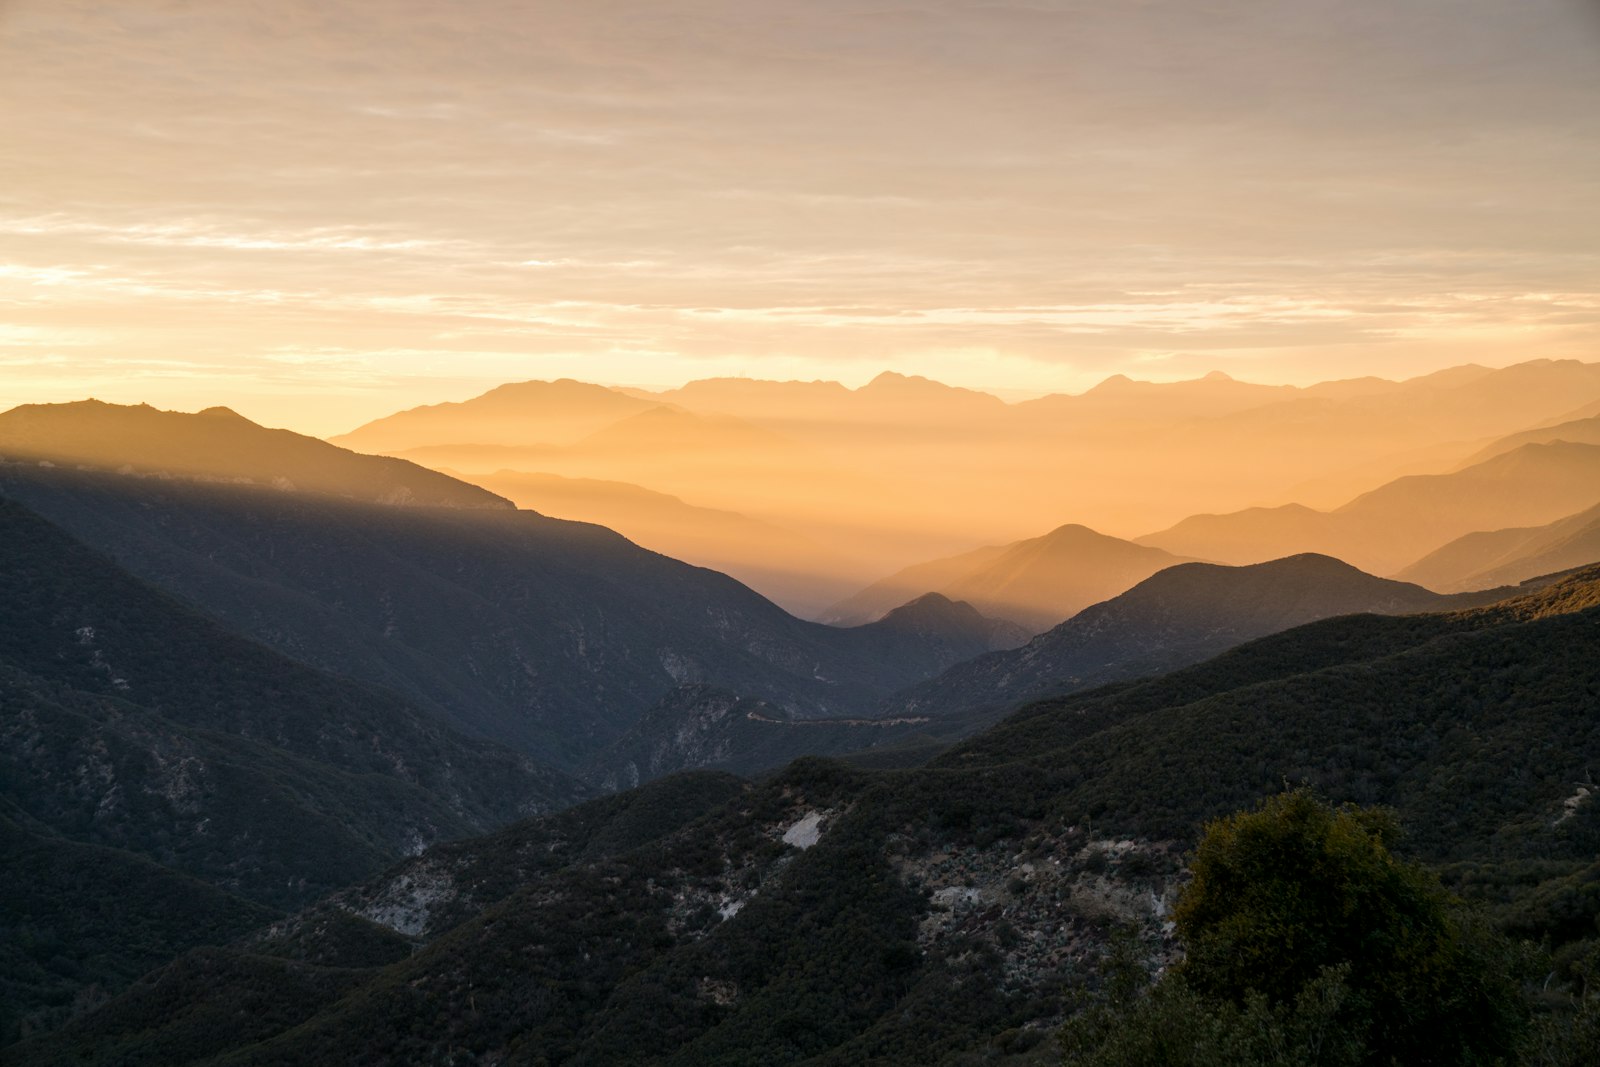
(318, 213)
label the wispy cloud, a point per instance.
(1043, 192)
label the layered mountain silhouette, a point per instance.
(871, 473)
(888, 400)
(520, 413)
(322, 761)
(218, 444)
(794, 571)
(1505, 557)
(1179, 616)
(828, 912)
(728, 464)
(550, 636)
(1384, 530)
(1037, 582)
(1583, 431)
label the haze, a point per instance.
(319, 213)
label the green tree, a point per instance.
(1282, 893)
(1308, 942)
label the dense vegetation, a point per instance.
(78, 922)
(134, 722)
(136, 732)
(955, 913)
(1301, 930)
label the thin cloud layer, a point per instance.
(384, 199)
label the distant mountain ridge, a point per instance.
(219, 444)
(549, 636)
(1390, 527)
(1037, 582)
(1180, 615)
(778, 563)
(1504, 557)
(518, 413)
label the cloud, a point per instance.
(653, 188)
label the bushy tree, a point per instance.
(1307, 941)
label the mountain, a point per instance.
(133, 722)
(217, 444)
(1391, 526)
(724, 463)
(1360, 434)
(552, 637)
(905, 469)
(782, 566)
(1037, 582)
(166, 784)
(697, 726)
(1585, 431)
(887, 400)
(1181, 615)
(886, 594)
(1120, 398)
(1505, 557)
(831, 915)
(519, 413)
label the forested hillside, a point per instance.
(839, 916)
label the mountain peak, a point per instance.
(1115, 383)
(931, 609)
(1217, 376)
(1072, 532)
(220, 412)
(895, 380)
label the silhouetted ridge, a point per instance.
(932, 610)
(1037, 582)
(1180, 615)
(553, 637)
(219, 444)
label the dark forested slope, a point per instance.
(131, 721)
(1179, 616)
(548, 635)
(831, 916)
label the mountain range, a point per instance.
(1036, 582)
(549, 636)
(830, 915)
(178, 782)
(323, 752)
(1501, 557)
(797, 572)
(905, 468)
(1178, 616)
(218, 444)
(1394, 525)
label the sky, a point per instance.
(321, 211)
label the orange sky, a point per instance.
(318, 212)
